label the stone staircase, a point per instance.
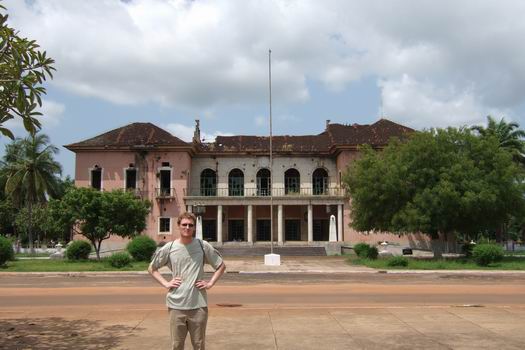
(261, 251)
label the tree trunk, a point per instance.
(97, 249)
(30, 227)
(499, 234)
(437, 247)
(18, 240)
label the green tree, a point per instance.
(438, 182)
(23, 70)
(7, 216)
(31, 174)
(55, 225)
(509, 136)
(45, 223)
(98, 215)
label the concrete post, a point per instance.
(340, 230)
(219, 224)
(250, 223)
(280, 224)
(190, 208)
(310, 224)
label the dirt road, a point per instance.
(270, 290)
(270, 311)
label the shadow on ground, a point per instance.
(60, 334)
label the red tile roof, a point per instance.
(261, 144)
(138, 135)
(377, 134)
(132, 135)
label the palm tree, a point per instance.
(31, 174)
(510, 136)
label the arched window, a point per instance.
(208, 183)
(236, 183)
(292, 181)
(264, 182)
(320, 181)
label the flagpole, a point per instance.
(271, 259)
(271, 149)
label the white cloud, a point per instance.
(52, 113)
(185, 132)
(422, 105)
(465, 56)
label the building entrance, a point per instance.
(209, 230)
(236, 230)
(292, 230)
(263, 230)
(321, 230)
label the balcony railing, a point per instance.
(264, 192)
(165, 192)
(137, 192)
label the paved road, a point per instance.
(271, 311)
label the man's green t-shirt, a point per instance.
(187, 262)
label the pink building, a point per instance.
(228, 182)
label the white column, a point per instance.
(219, 224)
(280, 224)
(250, 223)
(310, 224)
(340, 231)
(190, 208)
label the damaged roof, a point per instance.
(377, 134)
(147, 135)
(261, 144)
(135, 135)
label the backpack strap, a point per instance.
(203, 252)
(169, 254)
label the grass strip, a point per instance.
(68, 266)
(508, 263)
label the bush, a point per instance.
(398, 261)
(372, 253)
(360, 248)
(6, 250)
(78, 250)
(120, 260)
(486, 253)
(365, 251)
(142, 248)
(466, 249)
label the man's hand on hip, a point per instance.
(201, 284)
(174, 283)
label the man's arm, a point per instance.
(174, 283)
(201, 284)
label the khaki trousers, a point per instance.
(192, 321)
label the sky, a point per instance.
(419, 63)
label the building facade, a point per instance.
(229, 182)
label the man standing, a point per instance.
(186, 299)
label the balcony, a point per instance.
(165, 192)
(137, 192)
(265, 192)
